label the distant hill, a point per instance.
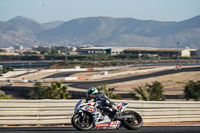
(52, 25)
(27, 23)
(19, 30)
(105, 31)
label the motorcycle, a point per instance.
(92, 115)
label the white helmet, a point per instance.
(92, 92)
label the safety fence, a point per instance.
(37, 112)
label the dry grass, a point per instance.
(173, 83)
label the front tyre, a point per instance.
(132, 123)
(82, 121)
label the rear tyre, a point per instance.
(82, 123)
(132, 123)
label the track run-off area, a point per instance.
(88, 84)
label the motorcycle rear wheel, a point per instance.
(133, 123)
(80, 123)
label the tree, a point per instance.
(55, 91)
(108, 91)
(5, 69)
(157, 91)
(192, 90)
(149, 92)
(142, 93)
(38, 91)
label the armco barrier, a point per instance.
(31, 112)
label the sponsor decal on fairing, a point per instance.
(90, 109)
(107, 124)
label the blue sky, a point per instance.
(50, 10)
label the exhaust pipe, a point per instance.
(124, 117)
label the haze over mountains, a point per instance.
(104, 31)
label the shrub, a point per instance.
(149, 92)
(4, 96)
(108, 91)
(5, 69)
(55, 91)
(192, 90)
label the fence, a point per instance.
(31, 112)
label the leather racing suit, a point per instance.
(104, 101)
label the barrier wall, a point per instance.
(31, 112)
(64, 70)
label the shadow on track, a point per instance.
(145, 129)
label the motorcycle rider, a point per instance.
(99, 96)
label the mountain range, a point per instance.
(101, 31)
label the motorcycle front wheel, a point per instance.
(82, 122)
(132, 123)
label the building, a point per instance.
(168, 52)
(198, 54)
(95, 50)
(19, 47)
(9, 53)
(101, 50)
(149, 51)
(117, 50)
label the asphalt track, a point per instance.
(65, 74)
(88, 84)
(145, 129)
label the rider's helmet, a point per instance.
(92, 92)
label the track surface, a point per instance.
(145, 129)
(88, 84)
(65, 74)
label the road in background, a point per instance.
(66, 74)
(88, 84)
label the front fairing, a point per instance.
(77, 107)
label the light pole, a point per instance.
(178, 56)
(139, 55)
(66, 53)
(1, 69)
(29, 66)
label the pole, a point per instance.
(139, 55)
(1, 69)
(178, 57)
(66, 52)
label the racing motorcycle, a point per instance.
(92, 115)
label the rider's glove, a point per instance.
(114, 107)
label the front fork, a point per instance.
(83, 117)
